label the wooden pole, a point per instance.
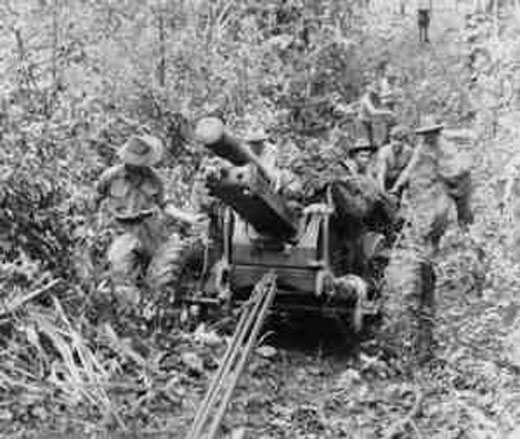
(54, 41)
(161, 67)
(496, 18)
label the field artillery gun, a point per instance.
(277, 257)
(323, 259)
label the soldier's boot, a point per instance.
(464, 212)
(123, 256)
(425, 325)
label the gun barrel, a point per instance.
(212, 133)
(248, 190)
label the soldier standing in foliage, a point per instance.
(424, 8)
(142, 250)
(389, 89)
(369, 110)
(411, 276)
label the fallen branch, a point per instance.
(400, 424)
(17, 302)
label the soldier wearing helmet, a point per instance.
(360, 158)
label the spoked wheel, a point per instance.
(353, 291)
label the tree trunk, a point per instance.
(54, 67)
(495, 13)
(161, 67)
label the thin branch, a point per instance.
(398, 426)
(11, 307)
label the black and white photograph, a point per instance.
(260, 219)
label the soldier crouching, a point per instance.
(143, 250)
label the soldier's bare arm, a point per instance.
(405, 174)
(183, 215)
(373, 111)
(103, 185)
(381, 168)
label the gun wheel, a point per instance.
(358, 317)
(356, 288)
(324, 283)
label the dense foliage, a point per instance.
(79, 76)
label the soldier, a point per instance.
(370, 109)
(389, 89)
(135, 196)
(360, 158)
(391, 96)
(424, 8)
(411, 275)
(260, 143)
(379, 208)
(285, 182)
(392, 160)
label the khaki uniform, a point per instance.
(455, 172)
(135, 201)
(411, 275)
(367, 101)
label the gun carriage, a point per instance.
(273, 256)
(262, 231)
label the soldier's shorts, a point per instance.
(459, 188)
(142, 251)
